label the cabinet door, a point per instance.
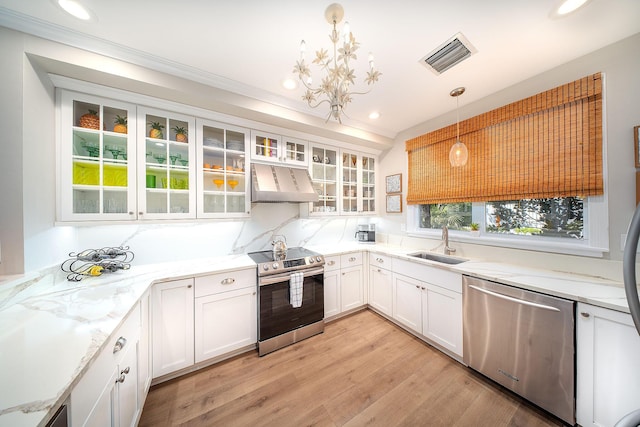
(295, 151)
(331, 293)
(166, 174)
(172, 339)
(608, 372)
(351, 289)
(222, 165)
(381, 290)
(128, 402)
(266, 147)
(442, 317)
(144, 348)
(368, 180)
(97, 158)
(225, 322)
(407, 302)
(351, 190)
(323, 169)
(103, 412)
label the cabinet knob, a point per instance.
(125, 370)
(139, 213)
(189, 286)
(121, 378)
(352, 259)
(120, 343)
(380, 260)
(585, 314)
(422, 287)
(331, 262)
(130, 212)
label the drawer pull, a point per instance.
(121, 378)
(332, 262)
(228, 281)
(122, 341)
(125, 370)
(380, 260)
(585, 314)
(352, 259)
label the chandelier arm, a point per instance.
(319, 102)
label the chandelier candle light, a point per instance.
(335, 88)
(459, 153)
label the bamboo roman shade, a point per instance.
(548, 145)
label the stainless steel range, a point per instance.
(290, 297)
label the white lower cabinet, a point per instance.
(608, 371)
(381, 284)
(173, 340)
(429, 302)
(351, 281)
(225, 313)
(108, 393)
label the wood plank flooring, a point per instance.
(363, 370)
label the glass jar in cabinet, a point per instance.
(323, 170)
(165, 171)
(97, 158)
(222, 165)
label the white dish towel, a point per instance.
(296, 288)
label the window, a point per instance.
(541, 218)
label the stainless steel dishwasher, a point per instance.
(522, 340)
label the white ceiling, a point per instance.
(250, 46)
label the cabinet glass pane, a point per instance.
(295, 151)
(368, 184)
(349, 182)
(100, 162)
(266, 147)
(324, 178)
(223, 170)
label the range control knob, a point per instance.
(311, 260)
(319, 259)
(275, 265)
(265, 267)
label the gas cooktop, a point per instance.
(293, 259)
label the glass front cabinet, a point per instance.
(267, 147)
(223, 181)
(324, 176)
(97, 157)
(166, 176)
(357, 191)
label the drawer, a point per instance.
(426, 273)
(127, 334)
(332, 263)
(379, 260)
(223, 282)
(350, 259)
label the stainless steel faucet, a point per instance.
(445, 237)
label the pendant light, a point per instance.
(458, 154)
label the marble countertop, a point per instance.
(51, 329)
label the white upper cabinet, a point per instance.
(166, 174)
(323, 170)
(222, 165)
(272, 148)
(358, 183)
(96, 158)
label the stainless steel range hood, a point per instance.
(272, 184)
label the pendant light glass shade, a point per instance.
(459, 154)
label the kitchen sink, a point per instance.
(445, 259)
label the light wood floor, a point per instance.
(362, 370)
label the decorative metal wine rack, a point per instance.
(95, 262)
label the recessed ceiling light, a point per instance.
(566, 7)
(75, 9)
(374, 115)
(289, 84)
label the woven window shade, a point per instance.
(548, 145)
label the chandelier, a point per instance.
(339, 76)
(458, 154)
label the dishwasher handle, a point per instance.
(512, 299)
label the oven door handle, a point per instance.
(281, 277)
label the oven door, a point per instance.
(276, 314)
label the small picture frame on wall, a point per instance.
(394, 183)
(636, 146)
(394, 203)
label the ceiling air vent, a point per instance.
(448, 54)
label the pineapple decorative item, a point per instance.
(156, 130)
(181, 133)
(91, 120)
(120, 125)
